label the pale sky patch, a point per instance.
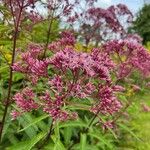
(107, 1)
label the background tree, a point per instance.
(142, 24)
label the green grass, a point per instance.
(139, 122)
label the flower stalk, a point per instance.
(7, 103)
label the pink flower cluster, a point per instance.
(34, 17)
(53, 108)
(23, 3)
(63, 8)
(74, 75)
(108, 103)
(25, 101)
(67, 39)
(131, 54)
(92, 65)
(97, 23)
(30, 63)
(134, 38)
(20, 15)
(82, 91)
(56, 83)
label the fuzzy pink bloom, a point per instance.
(35, 50)
(145, 107)
(53, 108)
(38, 67)
(34, 79)
(30, 64)
(34, 17)
(18, 67)
(89, 88)
(108, 125)
(91, 65)
(108, 103)
(136, 88)
(67, 39)
(148, 84)
(56, 83)
(81, 68)
(77, 91)
(136, 56)
(15, 114)
(25, 100)
(96, 23)
(124, 70)
(118, 88)
(134, 38)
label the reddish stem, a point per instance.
(50, 19)
(48, 136)
(11, 72)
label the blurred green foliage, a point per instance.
(28, 131)
(141, 25)
(138, 123)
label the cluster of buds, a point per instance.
(96, 23)
(67, 39)
(66, 74)
(131, 55)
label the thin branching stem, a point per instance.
(50, 19)
(7, 103)
(47, 137)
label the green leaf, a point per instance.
(102, 139)
(13, 139)
(88, 147)
(123, 98)
(5, 42)
(24, 121)
(35, 140)
(78, 106)
(56, 130)
(28, 145)
(34, 122)
(4, 69)
(67, 135)
(58, 144)
(128, 130)
(4, 28)
(17, 76)
(73, 124)
(83, 142)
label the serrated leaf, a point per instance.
(35, 121)
(24, 121)
(29, 144)
(35, 140)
